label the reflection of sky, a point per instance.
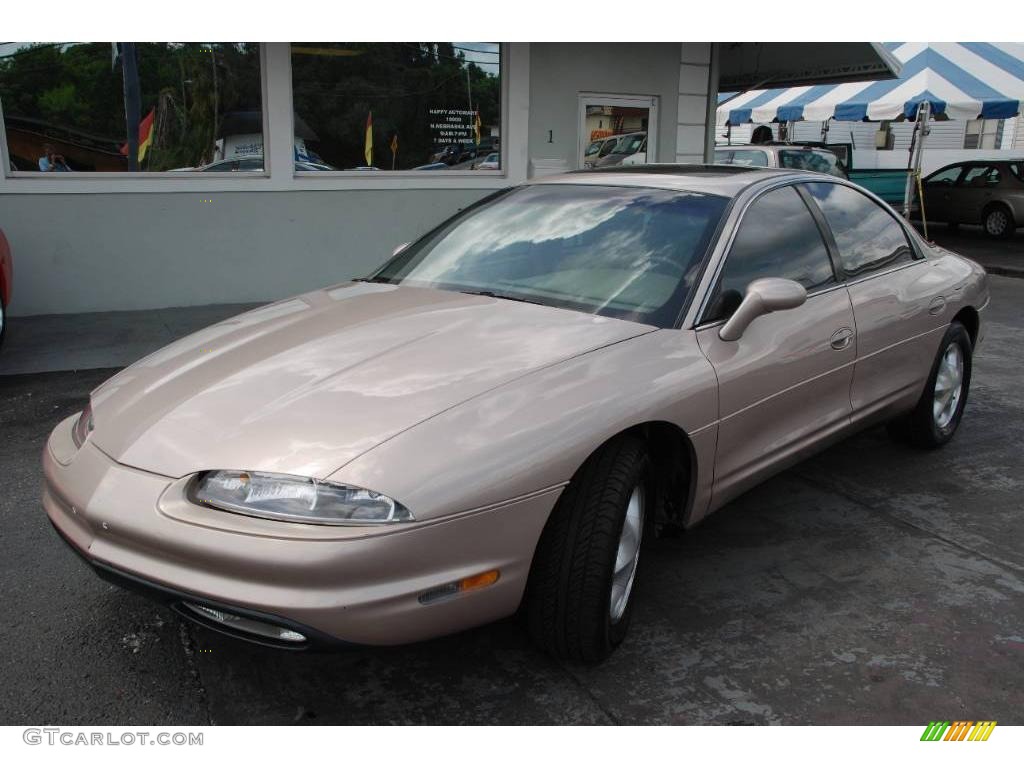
(596, 247)
(484, 55)
(865, 233)
(777, 238)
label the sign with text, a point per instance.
(452, 126)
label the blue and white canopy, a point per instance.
(961, 81)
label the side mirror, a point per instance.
(399, 249)
(769, 294)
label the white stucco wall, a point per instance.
(560, 72)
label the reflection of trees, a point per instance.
(336, 85)
(74, 86)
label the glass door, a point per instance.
(614, 130)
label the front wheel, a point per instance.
(578, 601)
(937, 415)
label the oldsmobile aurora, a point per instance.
(497, 418)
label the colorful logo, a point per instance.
(960, 730)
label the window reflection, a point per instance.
(396, 106)
(117, 107)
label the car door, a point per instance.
(974, 192)
(898, 301)
(784, 385)
(938, 193)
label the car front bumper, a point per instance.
(357, 585)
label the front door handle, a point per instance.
(841, 339)
(938, 304)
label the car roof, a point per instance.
(722, 180)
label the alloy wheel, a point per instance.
(996, 222)
(628, 554)
(949, 381)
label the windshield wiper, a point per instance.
(493, 295)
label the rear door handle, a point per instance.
(841, 339)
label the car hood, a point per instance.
(305, 385)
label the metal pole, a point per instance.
(711, 116)
(132, 101)
(916, 150)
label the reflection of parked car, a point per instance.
(598, 149)
(626, 146)
(254, 163)
(511, 405)
(432, 167)
(449, 155)
(487, 145)
(306, 165)
(490, 163)
(637, 158)
(6, 278)
(986, 192)
(796, 157)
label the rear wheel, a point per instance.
(578, 601)
(937, 415)
(999, 222)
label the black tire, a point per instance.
(998, 222)
(922, 427)
(568, 604)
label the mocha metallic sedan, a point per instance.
(503, 413)
(986, 192)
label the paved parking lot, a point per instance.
(872, 584)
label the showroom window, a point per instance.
(397, 106)
(123, 107)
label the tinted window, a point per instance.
(753, 157)
(980, 176)
(809, 160)
(118, 107)
(632, 253)
(777, 237)
(945, 176)
(868, 236)
(394, 106)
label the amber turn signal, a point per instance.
(452, 588)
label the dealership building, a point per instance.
(261, 170)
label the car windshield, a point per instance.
(627, 252)
(594, 146)
(629, 145)
(491, 158)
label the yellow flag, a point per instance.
(476, 126)
(368, 145)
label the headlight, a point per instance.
(83, 426)
(294, 499)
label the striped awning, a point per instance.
(960, 81)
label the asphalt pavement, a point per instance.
(871, 584)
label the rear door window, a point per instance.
(868, 236)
